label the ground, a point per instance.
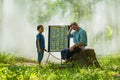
(27, 70)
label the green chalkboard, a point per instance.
(57, 38)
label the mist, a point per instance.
(18, 33)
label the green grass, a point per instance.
(8, 58)
(51, 71)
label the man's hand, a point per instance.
(70, 28)
(71, 48)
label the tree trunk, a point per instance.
(86, 57)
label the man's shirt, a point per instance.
(79, 36)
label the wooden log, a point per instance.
(86, 57)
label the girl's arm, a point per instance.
(39, 49)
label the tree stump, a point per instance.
(86, 57)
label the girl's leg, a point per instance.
(39, 58)
(42, 54)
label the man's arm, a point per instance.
(75, 45)
(69, 31)
(78, 45)
(69, 34)
(82, 41)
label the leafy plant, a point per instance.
(51, 71)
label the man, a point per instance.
(79, 38)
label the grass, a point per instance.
(51, 71)
(11, 59)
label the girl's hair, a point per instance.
(39, 26)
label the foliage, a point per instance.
(109, 33)
(42, 11)
(8, 58)
(106, 34)
(51, 71)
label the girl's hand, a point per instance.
(45, 49)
